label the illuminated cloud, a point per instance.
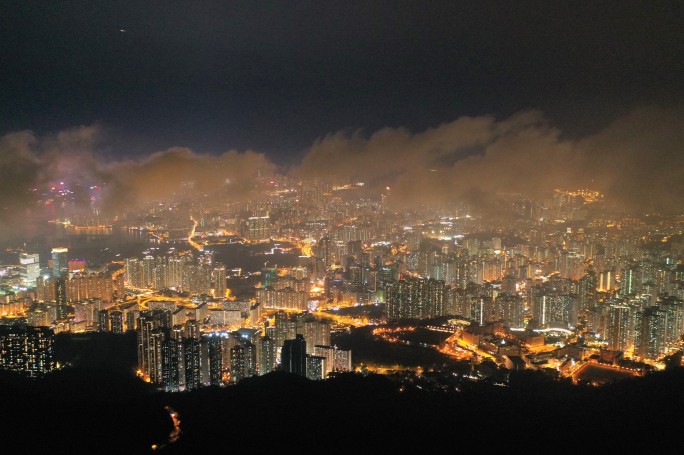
(636, 160)
(74, 156)
(170, 172)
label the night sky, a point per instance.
(276, 76)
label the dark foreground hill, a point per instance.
(83, 410)
(356, 414)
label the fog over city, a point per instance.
(635, 161)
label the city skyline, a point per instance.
(340, 223)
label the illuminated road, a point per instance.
(602, 366)
(192, 243)
(455, 351)
(341, 320)
(142, 300)
(121, 271)
(459, 343)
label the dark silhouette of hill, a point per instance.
(370, 414)
(96, 406)
(369, 349)
(93, 407)
(98, 349)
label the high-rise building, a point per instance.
(30, 268)
(315, 367)
(116, 324)
(152, 332)
(147, 272)
(285, 329)
(215, 345)
(554, 310)
(620, 327)
(267, 355)
(237, 363)
(157, 339)
(103, 321)
(27, 350)
(286, 298)
(84, 286)
(343, 360)
(133, 272)
(293, 356)
(356, 278)
(324, 251)
(329, 353)
(191, 362)
(651, 328)
(251, 366)
(174, 271)
(219, 282)
(269, 275)
(258, 228)
(415, 298)
(61, 298)
(511, 310)
(315, 332)
(172, 364)
(60, 262)
(672, 309)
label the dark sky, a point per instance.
(274, 76)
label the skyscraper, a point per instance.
(314, 331)
(27, 350)
(293, 356)
(61, 298)
(172, 362)
(315, 367)
(148, 272)
(150, 339)
(157, 339)
(267, 351)
(219, 282)
(343, 360)
(215, 345)
(103, 321)
(60, 262)
(415, 298)
(620, 327)
(237, 363)
(134, 273)
(269, 275)
(30, 268)
(652, 329)
(191, 355)
(323, 251)
(191, 361)
(116, 321)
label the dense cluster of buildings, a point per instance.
(27, 350)
(194, 275)
(527, 264)
(182, 357)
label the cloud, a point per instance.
(173, 171)
(30, 164)
(636, 160)
(639, 158)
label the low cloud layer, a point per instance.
(636, 161)
(30, 165)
